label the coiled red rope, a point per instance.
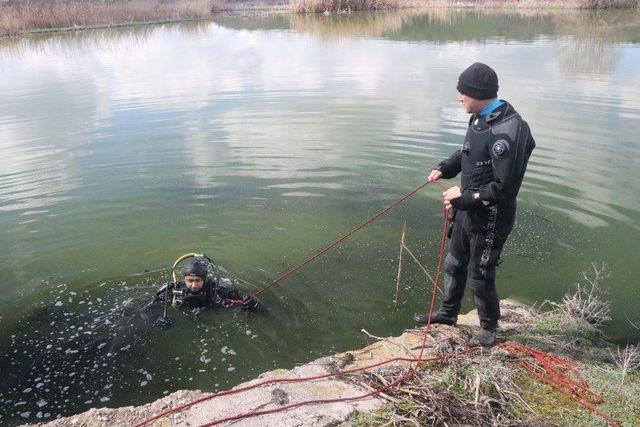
(561, 374)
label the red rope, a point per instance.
(378, 390)
(346, 236)
(441, 252)
(297, 268)
(282, 380)
(560, 374)
(375, 392)
(231, 302)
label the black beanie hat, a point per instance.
(478, 81)
(195, 267)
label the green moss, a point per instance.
(557, 324)
(375, 417)
(585, 346)
(567, 338)
(620, 403)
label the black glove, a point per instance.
(249, 302)
(162, 323)
(165, 287)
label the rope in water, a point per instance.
(559, 373)
(346, 236)
(412, 371)
(289, 273)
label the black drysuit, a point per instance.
(210, 295)
(492, 162)
(206, 297)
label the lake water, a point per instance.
(259, 140)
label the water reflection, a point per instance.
(589, 56)
(262, 138)
(353, 25)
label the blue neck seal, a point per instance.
(489, 108)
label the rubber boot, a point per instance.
(437, 317)
(484, 338)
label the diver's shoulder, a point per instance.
(507, 122)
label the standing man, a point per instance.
(492, 162)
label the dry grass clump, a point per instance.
(20, 16)
(478, 389)
(627, 360)
(320, 6)
(587, 303)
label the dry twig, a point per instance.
(627, 359)
(587, 303)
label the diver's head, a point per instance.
(477, 87)
(195, 273)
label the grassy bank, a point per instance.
(21, 16)
(488, 387)
(491, 388)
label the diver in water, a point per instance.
(203, 286)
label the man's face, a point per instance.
(471, 105)
(193, 283)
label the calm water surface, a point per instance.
(258, 141)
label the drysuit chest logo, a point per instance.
(500, 148)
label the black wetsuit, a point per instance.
(492, 162)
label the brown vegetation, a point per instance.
(487, 387)
(315, 6)
(587, 304)
(603, 4)
(347, 26)
(572, 4)
(20, 16)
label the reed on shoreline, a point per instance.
(321, 6)
(21, 16)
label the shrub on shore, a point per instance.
(587, 304)
(20, 16)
